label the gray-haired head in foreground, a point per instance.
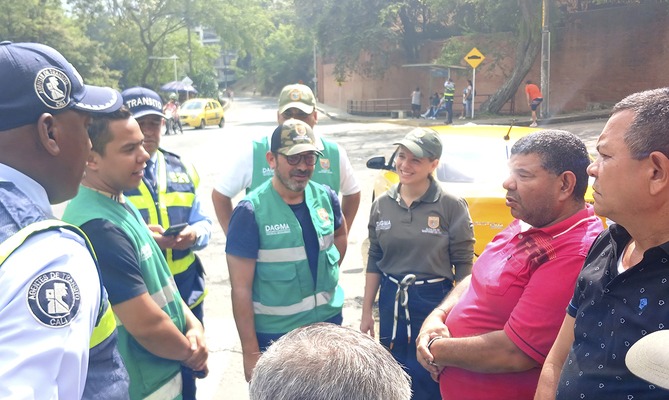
(560, 151)
(328, 362)
(649, 131)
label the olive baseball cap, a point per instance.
(293, 137)
(422, 142)
(37, 79)
(297, 96)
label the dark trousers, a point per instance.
(422, 300)
(449, 110)
(415, 110)
(189, 388)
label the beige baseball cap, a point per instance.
(297, 96)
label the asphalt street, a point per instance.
(249, 118)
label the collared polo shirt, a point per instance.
(520, 285)
(612, 312)
(427, 239)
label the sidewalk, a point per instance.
(519, 120)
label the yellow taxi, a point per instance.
(473, 166)
(199, 113)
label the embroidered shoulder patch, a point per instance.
(54, 299)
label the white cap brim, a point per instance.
(648, 358)
(97, 99)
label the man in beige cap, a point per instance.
(284, 245)
(250, 169)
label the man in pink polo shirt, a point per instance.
(490, 336)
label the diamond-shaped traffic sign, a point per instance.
(474, 57)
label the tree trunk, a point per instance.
(529, 46)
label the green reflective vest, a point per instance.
(150, 376)
(326, 170)
(284, 296)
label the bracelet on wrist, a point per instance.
(434, 339)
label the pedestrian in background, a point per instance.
(489, 337)
(621, 293)
(421, 243)
(167, 196)
(431, 112)
(415, 103)
(534, 98)
(51, 295)
(467, 101)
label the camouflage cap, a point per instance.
(293, 137)
(422, 142)
(297, 96)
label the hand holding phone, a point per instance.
(175, 229)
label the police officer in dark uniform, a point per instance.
(55, 322)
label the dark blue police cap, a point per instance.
(37, 79)
(142, 101)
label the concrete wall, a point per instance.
(597, 58)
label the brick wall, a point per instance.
(597, 58)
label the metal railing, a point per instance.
(380, 107)
(386, 107)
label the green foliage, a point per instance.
(45, 21)
(348, 29)
(287, 59)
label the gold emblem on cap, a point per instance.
(300, 129)
(295, 95)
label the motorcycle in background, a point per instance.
(172, 123)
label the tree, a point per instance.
(522, 18)
(45, 21)
(287, 59)
(359, 35)
(527, 49)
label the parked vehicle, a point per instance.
(199, 113)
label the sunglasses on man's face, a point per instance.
(295, 113)
(296, 159)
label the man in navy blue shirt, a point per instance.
(285, 241)
(622, 292)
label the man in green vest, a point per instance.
(157, 331)
(284, 245)
(167, 197)
(250, 169)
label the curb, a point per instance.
(494, 121)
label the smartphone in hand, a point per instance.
(175, 229)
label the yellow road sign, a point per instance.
(474, 57)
